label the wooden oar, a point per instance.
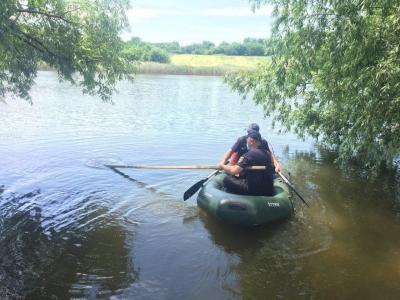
(291, 186)
(178, 167)
(195, 187)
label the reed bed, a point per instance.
(188, 64)
(169, 69)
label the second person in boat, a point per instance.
(241, 147)
(253, 182)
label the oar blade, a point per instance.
(193, 189)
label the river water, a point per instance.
(74, 229)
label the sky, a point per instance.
(195, 21)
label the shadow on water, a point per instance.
(86, 258)
(345, 246)
(325, 182)
(361, 215)
(266, 256)
(139, 183)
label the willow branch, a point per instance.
(45, 14)
(38, 45)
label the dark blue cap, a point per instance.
(253, 126)
(255, 135)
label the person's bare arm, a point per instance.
(232, 170)
(227, 155)
(276, 164)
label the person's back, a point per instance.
(253, 182)
(260, 182)
(241, 147)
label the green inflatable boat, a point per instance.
(242, 209)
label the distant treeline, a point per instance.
(136, 49)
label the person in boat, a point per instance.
(241, 147)
(252, 182)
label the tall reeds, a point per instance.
(175, 69)
(157, 68)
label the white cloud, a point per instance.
(239, 12)
(138, 15)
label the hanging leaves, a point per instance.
(334, 75)
(79, 38)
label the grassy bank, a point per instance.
(190, 64)
(246, 62)
(170, 69)
(211, 65)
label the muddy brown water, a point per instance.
(73, 229)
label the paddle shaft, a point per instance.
(291, 186)
(194, 188)
(178, 167)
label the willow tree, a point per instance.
(334, 75)
(79, 38)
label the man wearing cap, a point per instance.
(255, 182)
(241, 147)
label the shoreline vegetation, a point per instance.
(200, 65)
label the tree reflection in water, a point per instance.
(87, 257)
(324, 251)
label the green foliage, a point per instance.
(157, 55)
(135, 41)
(334, 75)
(73, 36)
(193, 48)
(249, 47)
(173, 47)
(137, 50)
(255, 49)
(133, 53)
(205, 47)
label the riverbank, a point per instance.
(171, 69)
(212, 65)
(202, 65)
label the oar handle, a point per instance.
(178, 167)
(160, 167)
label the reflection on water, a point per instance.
(268, 258)
(86, 258)
(71, 228)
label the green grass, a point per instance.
(191, 64)
(211, 65)
(240, 62)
